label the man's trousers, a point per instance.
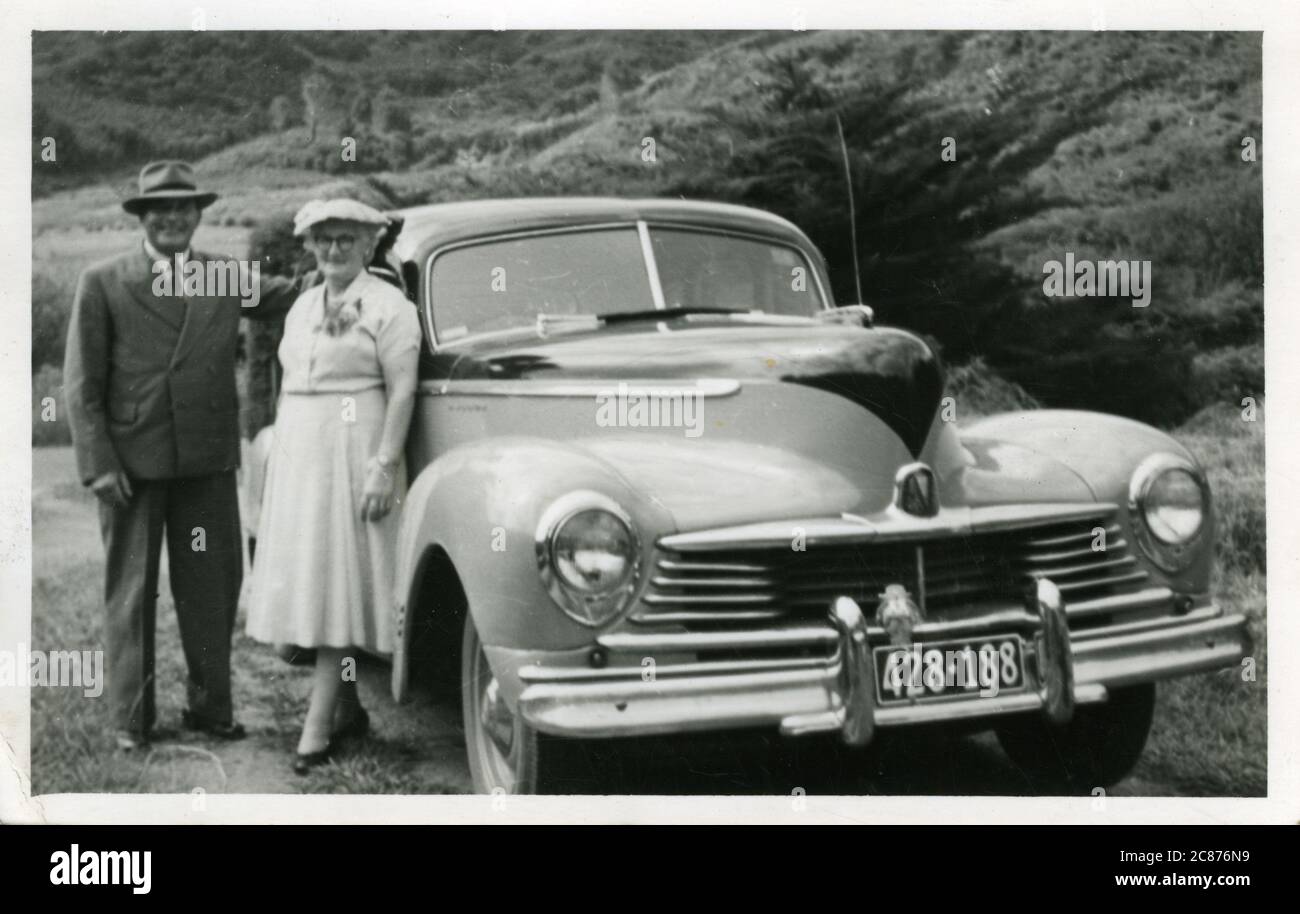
(200, 518)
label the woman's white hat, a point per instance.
(317, 211)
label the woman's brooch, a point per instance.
(347, 314)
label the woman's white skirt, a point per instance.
(322, 576)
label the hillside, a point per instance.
(1107, 145)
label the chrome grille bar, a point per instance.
(1070, 538)
(1119, 580)
(1072, 554)
(726, 599)
(1152, 597)
(1068, 571)
(662, 581)
(813, 636)
(724, 567)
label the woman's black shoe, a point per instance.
(304, 762)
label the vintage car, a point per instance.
(661, 483)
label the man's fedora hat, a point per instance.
(167, 180)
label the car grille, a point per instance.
(951, 578)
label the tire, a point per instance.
(529, 763)
(1098, 748)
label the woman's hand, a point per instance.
(377, 497)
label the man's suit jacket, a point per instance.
(149, 379)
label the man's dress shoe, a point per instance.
(230, 731)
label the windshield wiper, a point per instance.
(659, 314)
(545, 320)
(549, 322)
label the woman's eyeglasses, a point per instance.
(345, 242)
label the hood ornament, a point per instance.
(915, 490)
(897, 613)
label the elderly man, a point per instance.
(150, 380)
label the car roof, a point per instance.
(432, 226)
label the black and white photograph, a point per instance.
(784, 412)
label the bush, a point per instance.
(1242, 531)
(979, 391)
(1223, 421)
(1096, 356)
(1229, 374)
(1231, 451)
(273, 243)
(51, 308)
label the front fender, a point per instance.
(480, 504)
(1103, 451)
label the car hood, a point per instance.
(721, 483)
(715, 482)
(888, 372)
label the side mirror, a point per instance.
(853, 315)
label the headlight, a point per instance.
(588, 555)
(1174, 507)
(1168, 501)
(592, 551)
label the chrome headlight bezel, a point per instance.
(592, 609)
(1168, 556)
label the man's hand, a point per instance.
(113, 489)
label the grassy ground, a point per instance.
(72, 748)
(1209, 737)
(1211, 732)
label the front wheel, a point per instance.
(505, 754)
(1097, 748)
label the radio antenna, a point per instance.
(853, 215)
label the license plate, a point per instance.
(983, 667)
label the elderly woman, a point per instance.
(324, 576)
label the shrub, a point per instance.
(1231, 451)
(979, 391)
(273, 243)
(51, 308)
(1229, 374)
(1241, 518)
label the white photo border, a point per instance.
(1282, 247)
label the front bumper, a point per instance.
(836, 692)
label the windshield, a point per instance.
(506, 284)
(705, 270)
